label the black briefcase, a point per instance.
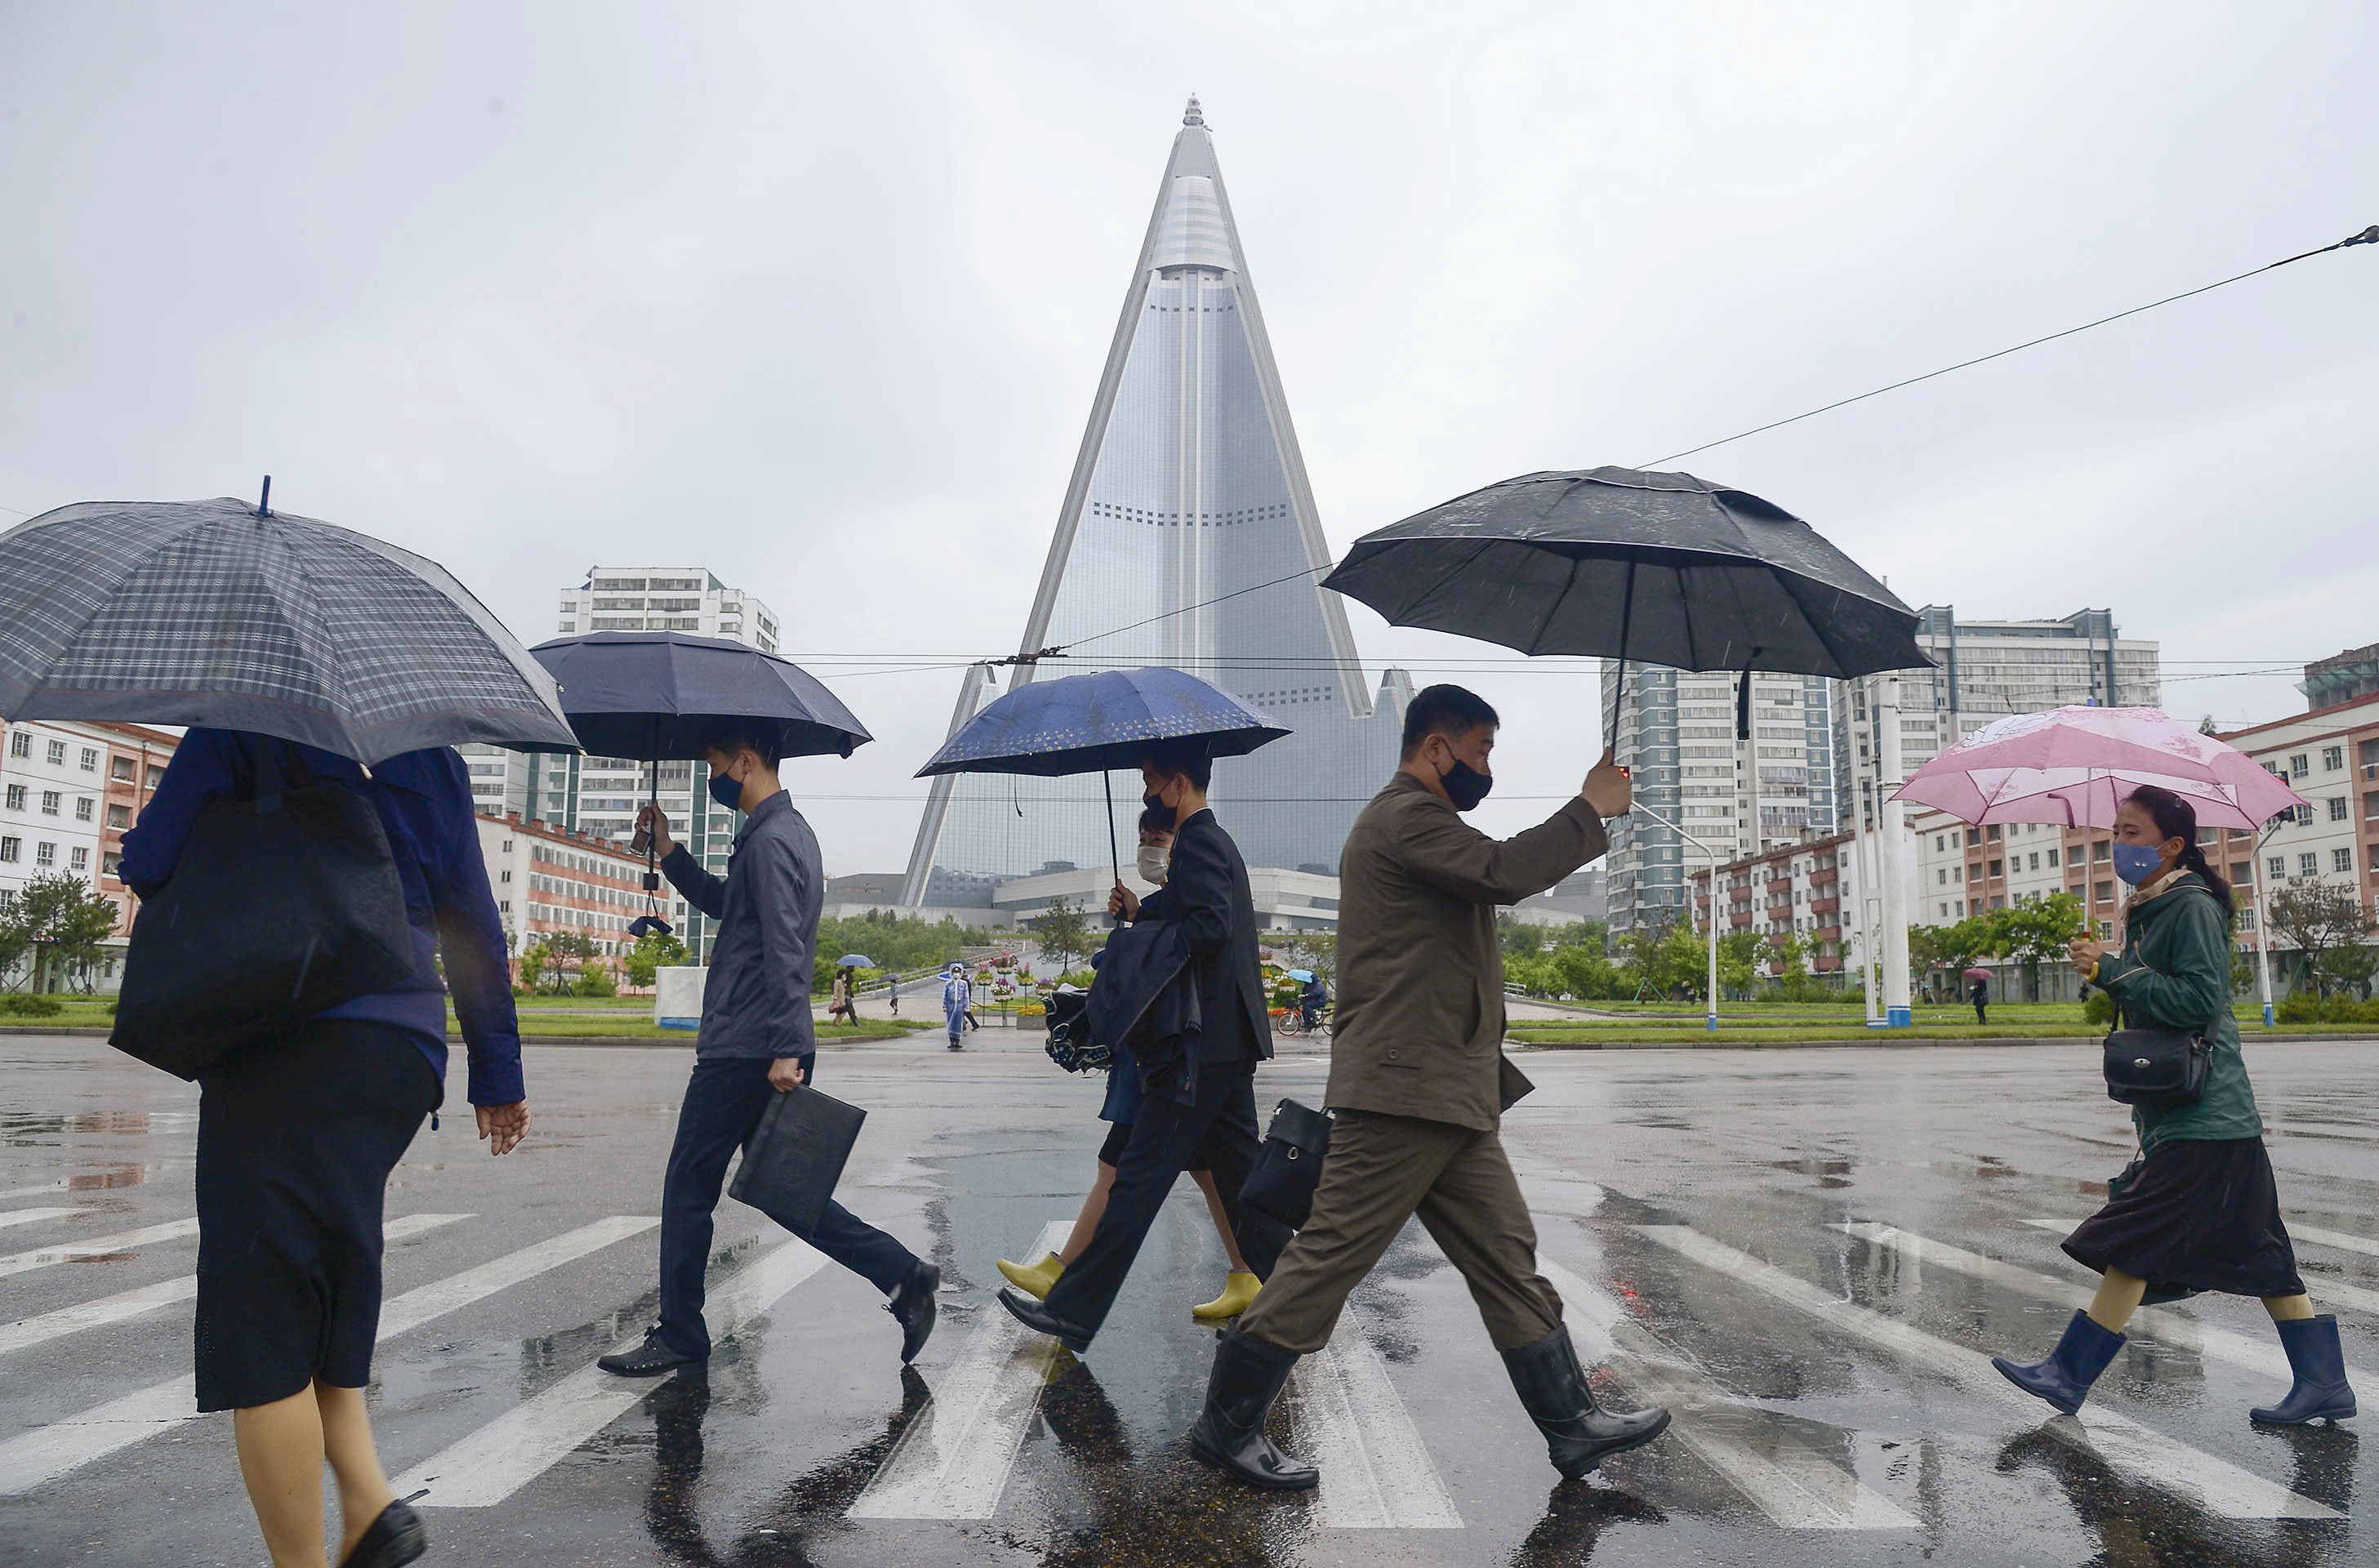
(795, 1157)
(1288, 1167)
(284, 902)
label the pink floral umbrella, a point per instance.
(2074, 766)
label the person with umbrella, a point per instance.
(325, 676)
(1978, 992)
(2201, 1209)
(838, 1005)
(1418, 1087)
(757, 1041)
(1205, 1112)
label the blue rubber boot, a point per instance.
(2319, 1363)
(2065, 1378)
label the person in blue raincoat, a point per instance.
(957, 997)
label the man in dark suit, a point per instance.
(1215, 1128)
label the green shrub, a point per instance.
(29, 1006)
(2297, 1009)
(2098, 1008)
(596, 980)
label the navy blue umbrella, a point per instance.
(1094, 722)
(651, 695)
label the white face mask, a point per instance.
(1154, 859)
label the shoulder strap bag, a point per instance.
(1288, 1167)
(2156, 1066)
(283, 902)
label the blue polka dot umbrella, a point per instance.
(1098, 721)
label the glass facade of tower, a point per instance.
(1188, 510)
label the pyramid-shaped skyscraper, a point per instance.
(1188, 494)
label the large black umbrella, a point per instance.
(1098, 721)
(221, 613)
(651, 695)
(1661, 568)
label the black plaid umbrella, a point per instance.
(220, 613)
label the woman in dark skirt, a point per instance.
(297, 1139)
(2202, 1211)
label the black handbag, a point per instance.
(1288, 1167)
(795, 1157)
(2156, 1066)
(283, 902)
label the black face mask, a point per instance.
(1155, 801)
(1465, 785)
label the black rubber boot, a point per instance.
(2319, 1363)
(1229, 1435)
(1580, 1434)
(2065, 1378)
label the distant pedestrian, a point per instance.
(1418, 1083)
(955, 994)
(1980, 995)
(758, 1042)
(297, 1136)
(2199, 1211)
(893, 990)
(839, 1007)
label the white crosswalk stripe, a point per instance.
(2326, 1292)
(2123, 1444)
(520, 1445)
(28, 1332)
(1797, 1484)
(2337, 1239)
(96, 1247)
(47, 1452)
(952, 1462)
(2263, 1356)
(36, 1188)
(32, 1216)
(1376, 1472)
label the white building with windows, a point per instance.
(53, 791)
(547, 881)
(2331, 757)
(667, 599)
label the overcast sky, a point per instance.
(818, 296)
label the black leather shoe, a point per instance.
(914, 1307)
(1229, 1435)
(1580, 1434)
(649, 1359)
(1040, 1319)
(394, 1537)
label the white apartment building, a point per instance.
(1677, 732)
(547, 880)
(53, 791)
(1987, 670)
(1828, 891)
(2331, 757)
(667, 599)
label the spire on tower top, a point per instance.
(1192, 116)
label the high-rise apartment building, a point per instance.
(1188, 536)
(1987, 670)
(1736, 797)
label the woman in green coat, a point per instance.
(2202, 1211)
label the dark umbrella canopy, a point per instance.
(650, 696)
(1658, 568)
(210, 612)
(1105, 719)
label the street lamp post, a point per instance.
(2263, 925)
(1709, 1016)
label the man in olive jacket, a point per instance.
(1418, 1087)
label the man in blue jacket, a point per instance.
(1201, 1118)
(755, 1043)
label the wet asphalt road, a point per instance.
(1693, 1206)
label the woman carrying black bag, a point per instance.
(297, 1136)
(2200, 1212)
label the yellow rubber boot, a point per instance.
(1238, 1295)
(1033, 1281)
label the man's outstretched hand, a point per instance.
(1609, 789)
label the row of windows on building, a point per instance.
(45, 854)
(2332, 760)
(124, 770)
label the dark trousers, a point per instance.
(723, 1102)
(1217, 1131)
